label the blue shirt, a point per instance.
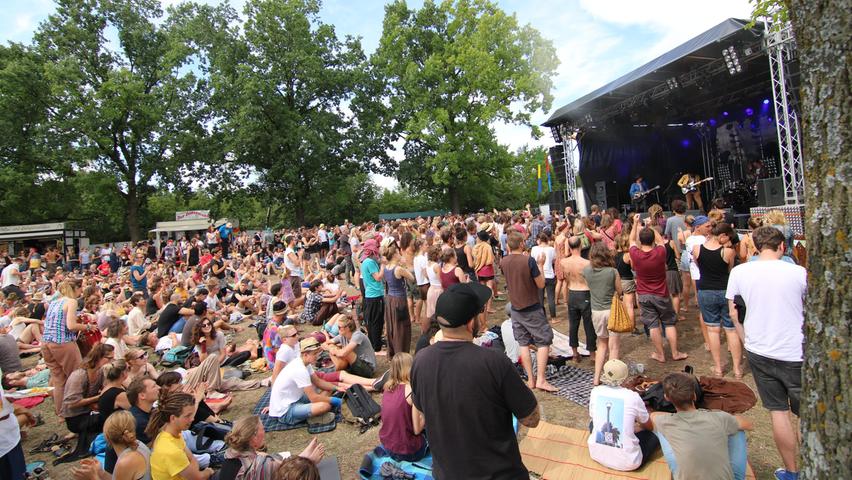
(225, 232)
(372, 288)
(636, 188)
(138, 285)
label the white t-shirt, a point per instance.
(322, 235)
(612, 442)
(434, 277)
(119, 347)
(549, 255)
(10, 432)
(286, 354)
(289, 387)
(690, 243)
(420, 265)
(11, 275)
(773, 291)
(295, 270)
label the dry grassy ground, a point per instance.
(349, 446)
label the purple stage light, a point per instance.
(749, 112)
(684, 143)
(766, 101)
(712, 122)
(724, 114)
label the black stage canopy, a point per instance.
(705, 98)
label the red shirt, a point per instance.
(650, 268)
(103, 269)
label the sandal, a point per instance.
(45, 445)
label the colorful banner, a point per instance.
(539, 177)
(547, 169)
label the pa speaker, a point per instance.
(770, 192)
(606, 195)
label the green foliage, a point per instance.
(774, 11)
(451, 69)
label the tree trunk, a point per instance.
(822, 29)
(455, 202)
(133, 213)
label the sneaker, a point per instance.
(782, 474)
(379, 383)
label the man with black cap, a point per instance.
(469, 394)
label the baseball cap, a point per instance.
(614, 373)
(458, 304)
(700, 220)
(308, 344)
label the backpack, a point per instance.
(654, 396)
(366, 411)
(175, 356)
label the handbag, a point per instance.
(618, 322)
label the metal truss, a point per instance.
(570, 136)
(781, 49)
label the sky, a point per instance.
(596, 40)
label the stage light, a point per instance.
(749, 112)
(684, 143)
(672, 83)
(712, 122)
(588, 118)
(724, 114)
(766, 101)
(732, 60)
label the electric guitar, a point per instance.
(693, 186)
(641, 195)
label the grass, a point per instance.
(350, 446)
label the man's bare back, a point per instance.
(572, 268)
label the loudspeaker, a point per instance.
(770, 192)
(606, 195)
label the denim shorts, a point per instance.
(714, 308)
(297, 412)
(779, 383)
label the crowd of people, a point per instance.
(98, 318)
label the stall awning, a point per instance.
(190, 225)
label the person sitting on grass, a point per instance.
(614, 441)
(351, 350)
(288, 350)
(133, 456)
(401, 434)
(170, 457)
(244, 459)
(699, 444)
(298, 393)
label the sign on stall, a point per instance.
(192, 215)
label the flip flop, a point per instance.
(33, 465)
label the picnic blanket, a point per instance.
(573, 383)
(561, 453)
(371, 466)
(271, 424)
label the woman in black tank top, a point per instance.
(113, 396)
(715, 261)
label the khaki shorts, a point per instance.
(600, 319)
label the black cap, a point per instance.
(458, 304)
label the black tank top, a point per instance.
(461, 258)
(713, 268)
(671, 261)
(624, 270)
(106, 404)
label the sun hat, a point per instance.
(279, 308)
(485, 227)
(700, 220)
(458, 304)
(614, 373)
(309, 344)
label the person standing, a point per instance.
(11, 278)
(604, 282)
(59, 340)
(12, 462)
(544, 248)
(529, 324)
(397, 320)
(690, 182)
(656, 311)
(637, 197)
(579, 299)
(469, 394)
(293, 265)
(774, 291)
(226, 235)
(372, 274)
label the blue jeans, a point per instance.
(737, 451)
(714, 308)
(177, 327)
(298, 412)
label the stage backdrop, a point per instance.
(658, 154)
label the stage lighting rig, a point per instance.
(557, 137)
(672, 83)
(588, 118)
(732, 60)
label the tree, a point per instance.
(121, 99)
(450, 70)
(823, 29)
(281, 89)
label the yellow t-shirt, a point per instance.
(168, 457)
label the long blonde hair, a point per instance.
(774, 217)
(400, 371)
(120, 429)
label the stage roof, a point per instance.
(693, 64)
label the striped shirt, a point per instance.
(55, 327)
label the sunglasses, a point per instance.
(203, 325)
(142, 355)
(294, 335)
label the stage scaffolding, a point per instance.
(781, 49)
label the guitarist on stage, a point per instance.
(638, 187)
(690, 182)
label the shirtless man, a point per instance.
(579, 298)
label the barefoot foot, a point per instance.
(659, 358)
(679, 356)
(544, 386)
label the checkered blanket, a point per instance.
(574, 383)
(272, 424)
